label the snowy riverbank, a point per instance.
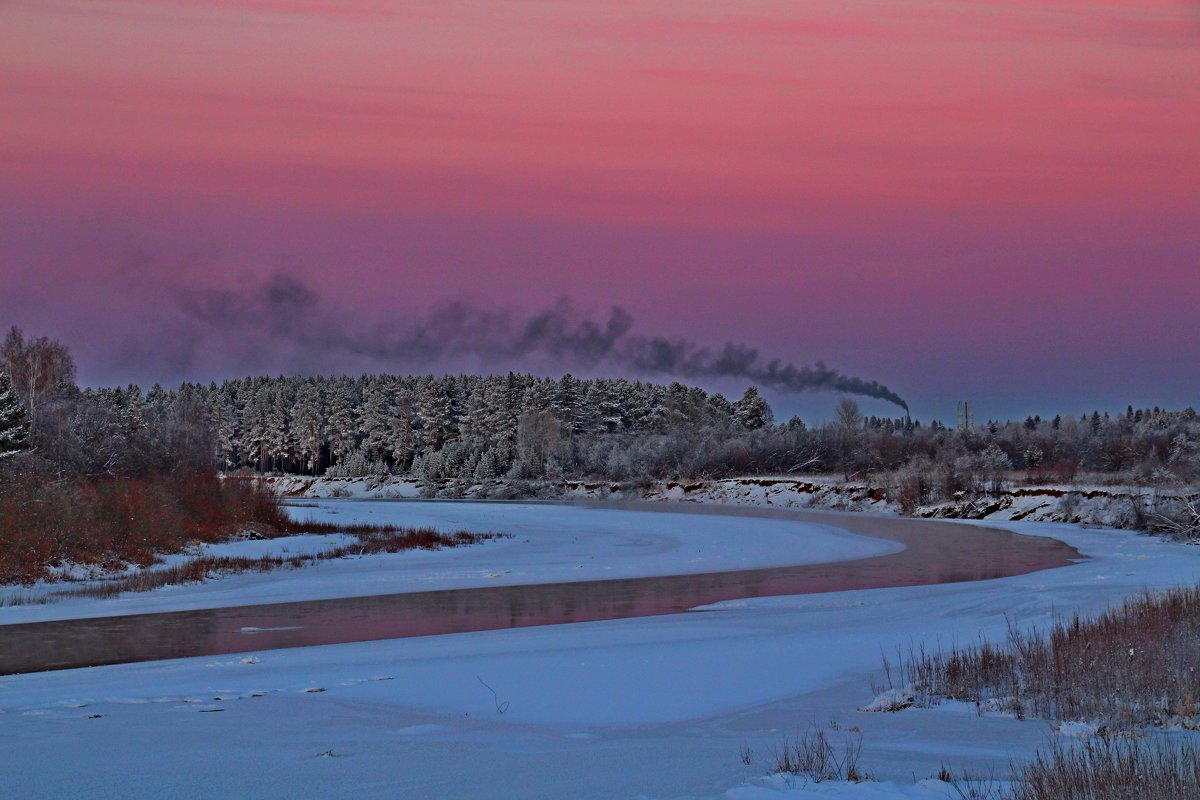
(1081, 504)
(657, 707)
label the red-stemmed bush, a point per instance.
(110, 522)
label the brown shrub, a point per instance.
(112, 521)
(1103, 769)
(1132, 665)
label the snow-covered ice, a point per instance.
(548, 543)
(787, 787)
(655, 707)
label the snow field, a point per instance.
(655, 707)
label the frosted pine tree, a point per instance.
(155, 405)
(678, 403)
(504, 404)
(253, 434)
(658, 416)
(307, 420)
(14, 424)
(502, 401)
(633, 401)
(456, 395)
(222, 421)
(538, 395)
(343, 420)
(278, 438)
(485, 470)
(513, 394)
(720, 405)
(752, 410)
(404, 440)
(434, 411)
(565, 402)
(133, 408)
(378, 419)
(607, 415)
(473, 428)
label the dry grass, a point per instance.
(1107, 769)
(1102, 768)
(815, 757)
(1131, 666)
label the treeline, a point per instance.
(87, 481)
(462, 427)
(452, 432)
(470, 429)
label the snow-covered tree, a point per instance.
(252, 441)
(566, 401)
(278, 440)
(607, 415)
(377, 419)
(307, 421)
(343, 421)
(14, 424)
(434, 411)
(222, 423)
(752, 410)
(993, 465)
(486, 469)
(474, 427)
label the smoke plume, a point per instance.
(287, 311)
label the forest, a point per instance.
(520, 426)
(69, 453)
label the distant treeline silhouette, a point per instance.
(459, 430)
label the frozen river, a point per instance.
(816, 552)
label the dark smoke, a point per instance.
(287, 310)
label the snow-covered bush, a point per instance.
(890, 700)
(912, 485)
(14, 423)
(358, 465)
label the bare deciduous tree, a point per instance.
(37, 367)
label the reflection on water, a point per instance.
(935, 552)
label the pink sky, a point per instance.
(994, 200)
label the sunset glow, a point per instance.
(940, 194)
